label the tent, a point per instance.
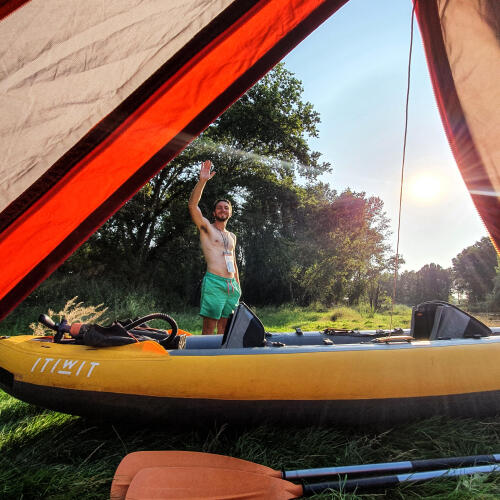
(97, 97)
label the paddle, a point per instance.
(216, 483)
(134, 462)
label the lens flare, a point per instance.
(426, 187)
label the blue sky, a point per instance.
(354, 72)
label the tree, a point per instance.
(431, 282)
(407, 288)
(347, 234)
(474, 270)
(259, 147)
(272, 121)
(381, 282)
(297, 241)
(494, 302)
(434, 283)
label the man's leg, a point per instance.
(230, 305)
(221, 325)
(208, 326)
(212, 301)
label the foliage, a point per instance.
(271, 120)
(73, 312)
(474, 270)
(298, 240)
(344, 243)
(494, 299)
(431, 282)
(284, 318)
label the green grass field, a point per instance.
(44, 454)
(275, 319)
(49, 455)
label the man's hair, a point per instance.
(222, 199)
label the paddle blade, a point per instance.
(134, 462)
(208, 483)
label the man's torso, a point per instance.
(217, 245)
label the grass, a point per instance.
(49, 455)
(286, 318)
(276, 319)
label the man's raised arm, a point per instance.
(194, 199)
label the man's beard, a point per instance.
(221, 218)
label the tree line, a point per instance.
(299, 240)
(473, 279)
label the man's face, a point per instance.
(222, 211)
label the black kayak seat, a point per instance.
(243, 329)
(435, 320)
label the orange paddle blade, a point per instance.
(208, 483)
(134, 462)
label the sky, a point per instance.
(354, 71)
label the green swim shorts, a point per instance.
(219, 296)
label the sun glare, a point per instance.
(425, 187)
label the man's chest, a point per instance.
(218, 240)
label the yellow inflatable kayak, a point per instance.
(329, 376)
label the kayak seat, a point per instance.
(438, 320)
(243, 329)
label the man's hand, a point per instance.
(205, 174)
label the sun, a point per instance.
(425, 187)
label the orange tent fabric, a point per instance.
(98, 97)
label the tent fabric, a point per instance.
(463, 53)
(97, 97)
(83, 61)
(193, 83)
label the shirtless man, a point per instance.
(220, 289)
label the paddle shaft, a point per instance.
(388, 467)
(394, 480)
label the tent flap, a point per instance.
(463, 54)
